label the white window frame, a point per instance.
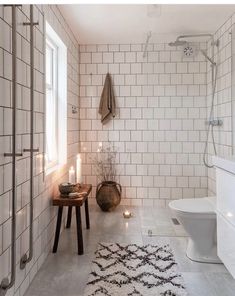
(59, 91)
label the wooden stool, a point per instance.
(70, 203)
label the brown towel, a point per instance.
(107, 101)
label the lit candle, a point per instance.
(127, 214)
(100, 147)
(72, 175)
(79, 169)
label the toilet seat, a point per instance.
(194, 205)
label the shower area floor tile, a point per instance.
(158, 222)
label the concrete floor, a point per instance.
(66, 273)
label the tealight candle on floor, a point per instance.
(127, 214)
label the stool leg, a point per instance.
(69, 217)
(79, 231)
(57, 232)
(87, 214)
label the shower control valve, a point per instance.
(215, 122)
(74, 109)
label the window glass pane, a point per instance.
(51, 128)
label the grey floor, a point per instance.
(66, 273)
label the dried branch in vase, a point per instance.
(105, 163)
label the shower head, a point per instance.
(177, 43)
(206, 56)
(188, 50)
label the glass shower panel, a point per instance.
(232, 63)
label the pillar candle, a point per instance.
(79, 169)
(72, 175)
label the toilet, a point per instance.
(198, 217)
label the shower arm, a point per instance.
(196, 35)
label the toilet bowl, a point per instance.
(198, 217)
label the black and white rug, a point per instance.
(134, 270)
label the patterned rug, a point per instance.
(133, 270)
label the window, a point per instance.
(56, 101)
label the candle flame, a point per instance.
(127, 214)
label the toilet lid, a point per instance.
(193, 205)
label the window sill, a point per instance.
(57, 168)
(53, 169)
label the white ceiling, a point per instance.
(101, 24)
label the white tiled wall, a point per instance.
(44, 214)
(162, 104)
(160, 124)
(223, 96)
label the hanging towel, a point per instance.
(107, 101)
